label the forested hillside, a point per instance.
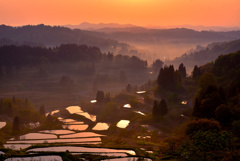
(51, 36)
(207, 54)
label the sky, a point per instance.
(136, 12)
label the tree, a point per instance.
(168, 78)
(129, 88)
(224, 114)
(157, 65)
(236, 128)
(182, 70)
(100, 96)
(206, 145)
(155, 110)
(163, 110)
(9, 109)
(42, 110)
(202, 125)
(107, 97)
(206, 80)
(16, 126)
(207, 101)
(196, 72)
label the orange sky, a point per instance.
(138, 12)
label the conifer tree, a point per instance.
(155, 110)
(100, 96)
(182, 70)
(16, 125)
(163, 110)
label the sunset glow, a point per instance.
(138, 12)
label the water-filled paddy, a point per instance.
(76, 127)
(123, 123)
(68, 140)
(68, 120)
(36, 158)
(140, 92)
(16, 146)
(74, 109)
(93, 101)
(37, 136)
(2, 124)
(81, 134)
(85, 114)
(101, 126)
(139, 112)
(128, 159)
(74, 123)
(81, 149)
(127, 106)
(58, 132)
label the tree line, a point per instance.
(13, 58)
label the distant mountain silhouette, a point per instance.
(175, 35)
(197, 27)
(56, 35)
(91, 26)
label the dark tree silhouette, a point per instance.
(182, 70)
(155, 111)
(129, 88)
(168, 78)
(16, 126)
(224, 114)
(9, 110)
(163, 107)
(157, 65)
(100, 96)
(196, 73)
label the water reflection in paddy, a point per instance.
(79, 140)
(90, 117)
(57, 132)
(77, 110)
(76, 127)
(127, 106)
(16, 146)
(2, 124)
(107, 154)
(139, 112)
(81, 149)
(184, 102)
(74, 123)
(36, 136)
(74, 109)
(128, 159)
(81, 134)
(123, 123)
(140, 92)
(51, 157)
(68, 120)
(101, 126)
(52, 112)
(23, 145)
(93, 101)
